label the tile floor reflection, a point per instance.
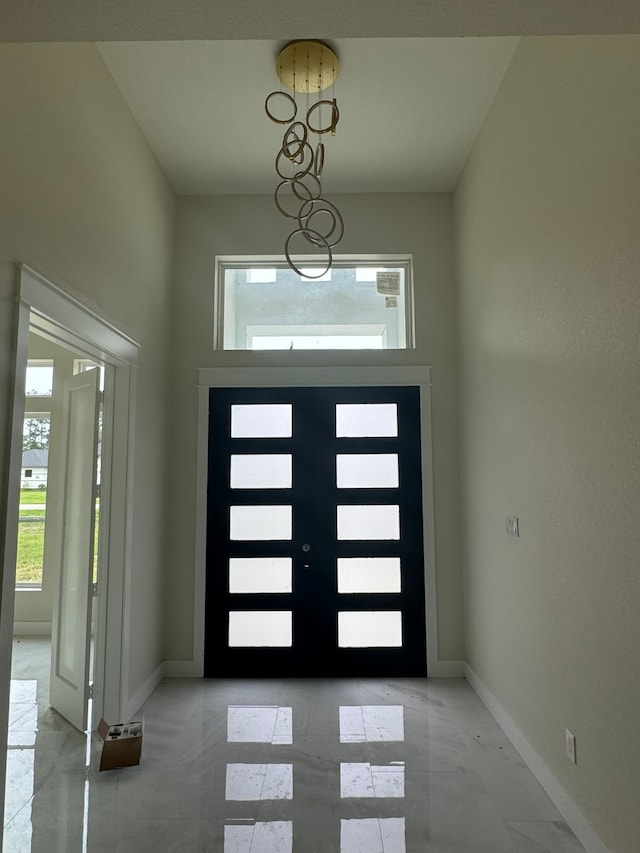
(370, 780)
(255, 724)
(281, 766)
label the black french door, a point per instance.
(314, 533)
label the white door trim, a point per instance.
(48, 309)
(309, 377)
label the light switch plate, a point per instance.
(570, 740)
(512, 525)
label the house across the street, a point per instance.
(35, 464)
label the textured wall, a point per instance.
(83, 202)
(547, 219)
(420, 224)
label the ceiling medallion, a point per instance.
(306, 68)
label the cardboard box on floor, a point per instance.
(122, 744)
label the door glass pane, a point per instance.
(261, 421)
(368, 522)
(260, 628)
(368, 574)
(250, 523)
(259, 574)
(367, 470)
(261, 471)
(366, 420)
(370, 629)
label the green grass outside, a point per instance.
(30, 552)
(33, 496)
(31, 549)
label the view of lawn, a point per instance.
(33, 496)
(31, 537)
(30, 552)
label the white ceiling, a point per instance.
(158, 20)
(410, 110)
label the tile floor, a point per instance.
(277, 766)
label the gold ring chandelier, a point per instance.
(307, 68)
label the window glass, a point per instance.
(370, 629)
(254, 523)
(368, 522)
(33, 500)
(356, 305)
(250, 628)
(367, 470)
(39, 379)
(261, 471)
(366, 420)
(261, 421)
(368, 574)
(260, 574)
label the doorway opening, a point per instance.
(59, 530)
(67, 536)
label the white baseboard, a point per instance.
(32, 629)
(194, 669)
(183, 669)
(561, 799)
(140, 696)
(445, 669)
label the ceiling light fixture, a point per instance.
(306, 68)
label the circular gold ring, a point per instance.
(317, 240)
(335, 116)
(306, 150)
(314, 208)
(291, 136)
(296, 193)
(318, 160)
(303, 182)
(288, 97)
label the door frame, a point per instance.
(314, 377)
(49, 311)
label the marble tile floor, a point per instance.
(280, 766)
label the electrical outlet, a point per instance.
(570, 740)
(512, 525)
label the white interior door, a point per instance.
(71, 620)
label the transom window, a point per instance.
(364, 303)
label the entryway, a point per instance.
(315, 557)
(49, 314)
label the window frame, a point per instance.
(225, 262)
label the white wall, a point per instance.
(83, 201)
(420, 224)
(548, 252)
